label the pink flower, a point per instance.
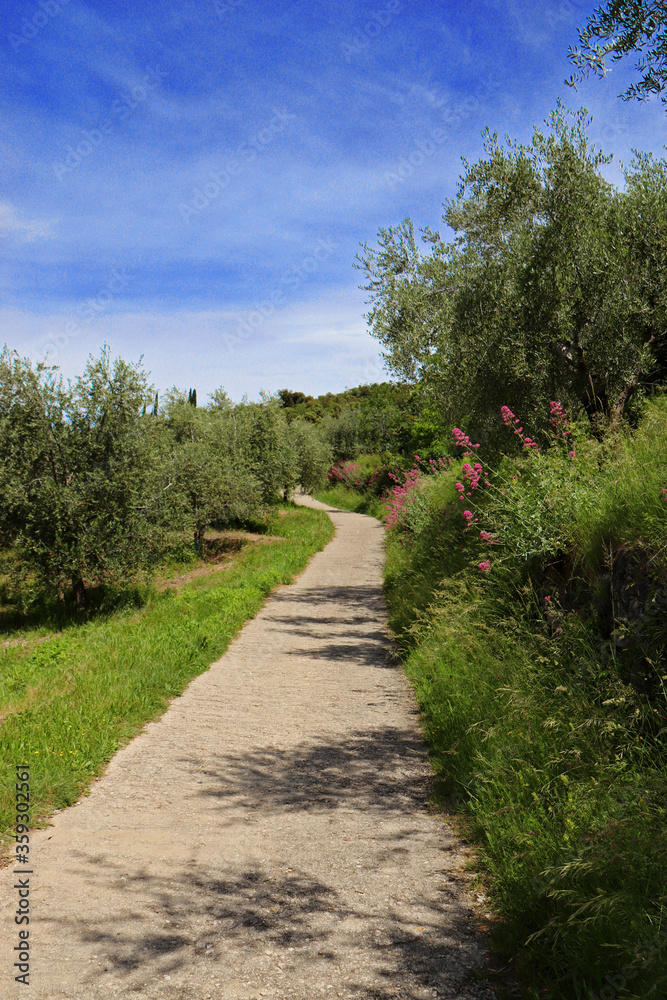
(472, 475)
(484, 566)
(512, 421)
(548, 597)
(462, 440)
(559, 420)
(468, 515)
(572, 454)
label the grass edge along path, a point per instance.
(347, 499)
(537, 754)
(68, 704)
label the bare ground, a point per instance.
(270, 836)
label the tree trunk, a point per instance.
(79, 593)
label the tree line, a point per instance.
(95, 473)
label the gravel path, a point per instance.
(270, 835)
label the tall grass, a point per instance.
(70, 701)
(553, 754)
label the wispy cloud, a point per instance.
(16, 227)
(153, 181)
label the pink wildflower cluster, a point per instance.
(559, 419)
(400, 497)
(462, 440)
(348, 474)
(512, 421)
(472, 475)
(559, 423)
(434, 464)
(663, 494)
(405, 490)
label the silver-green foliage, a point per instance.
(553, 287)
(617, 29)
(75, 470)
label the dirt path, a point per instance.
(269, 836)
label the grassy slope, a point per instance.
(347, 499)
(557, 764)
(72, 700)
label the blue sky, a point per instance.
(191, 182)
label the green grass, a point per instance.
(70, 701)
(555, 763)
(347, 499)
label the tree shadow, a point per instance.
(359, 606)
(231, 920)
(381, 769)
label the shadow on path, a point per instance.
(250, 924)
(381, 769)
(347, 638)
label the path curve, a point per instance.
(269, 836)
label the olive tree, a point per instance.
(550, 289)
(313, 455)
(205, 481)
(75, 470)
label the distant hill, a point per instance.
(380, 395)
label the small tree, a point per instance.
(262, 446)
(207, 478)
(204, 490)
(343, 432)
(76, 470)
(219, 400)
(313, 455)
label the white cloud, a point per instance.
(14, 224)
(317, 346)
